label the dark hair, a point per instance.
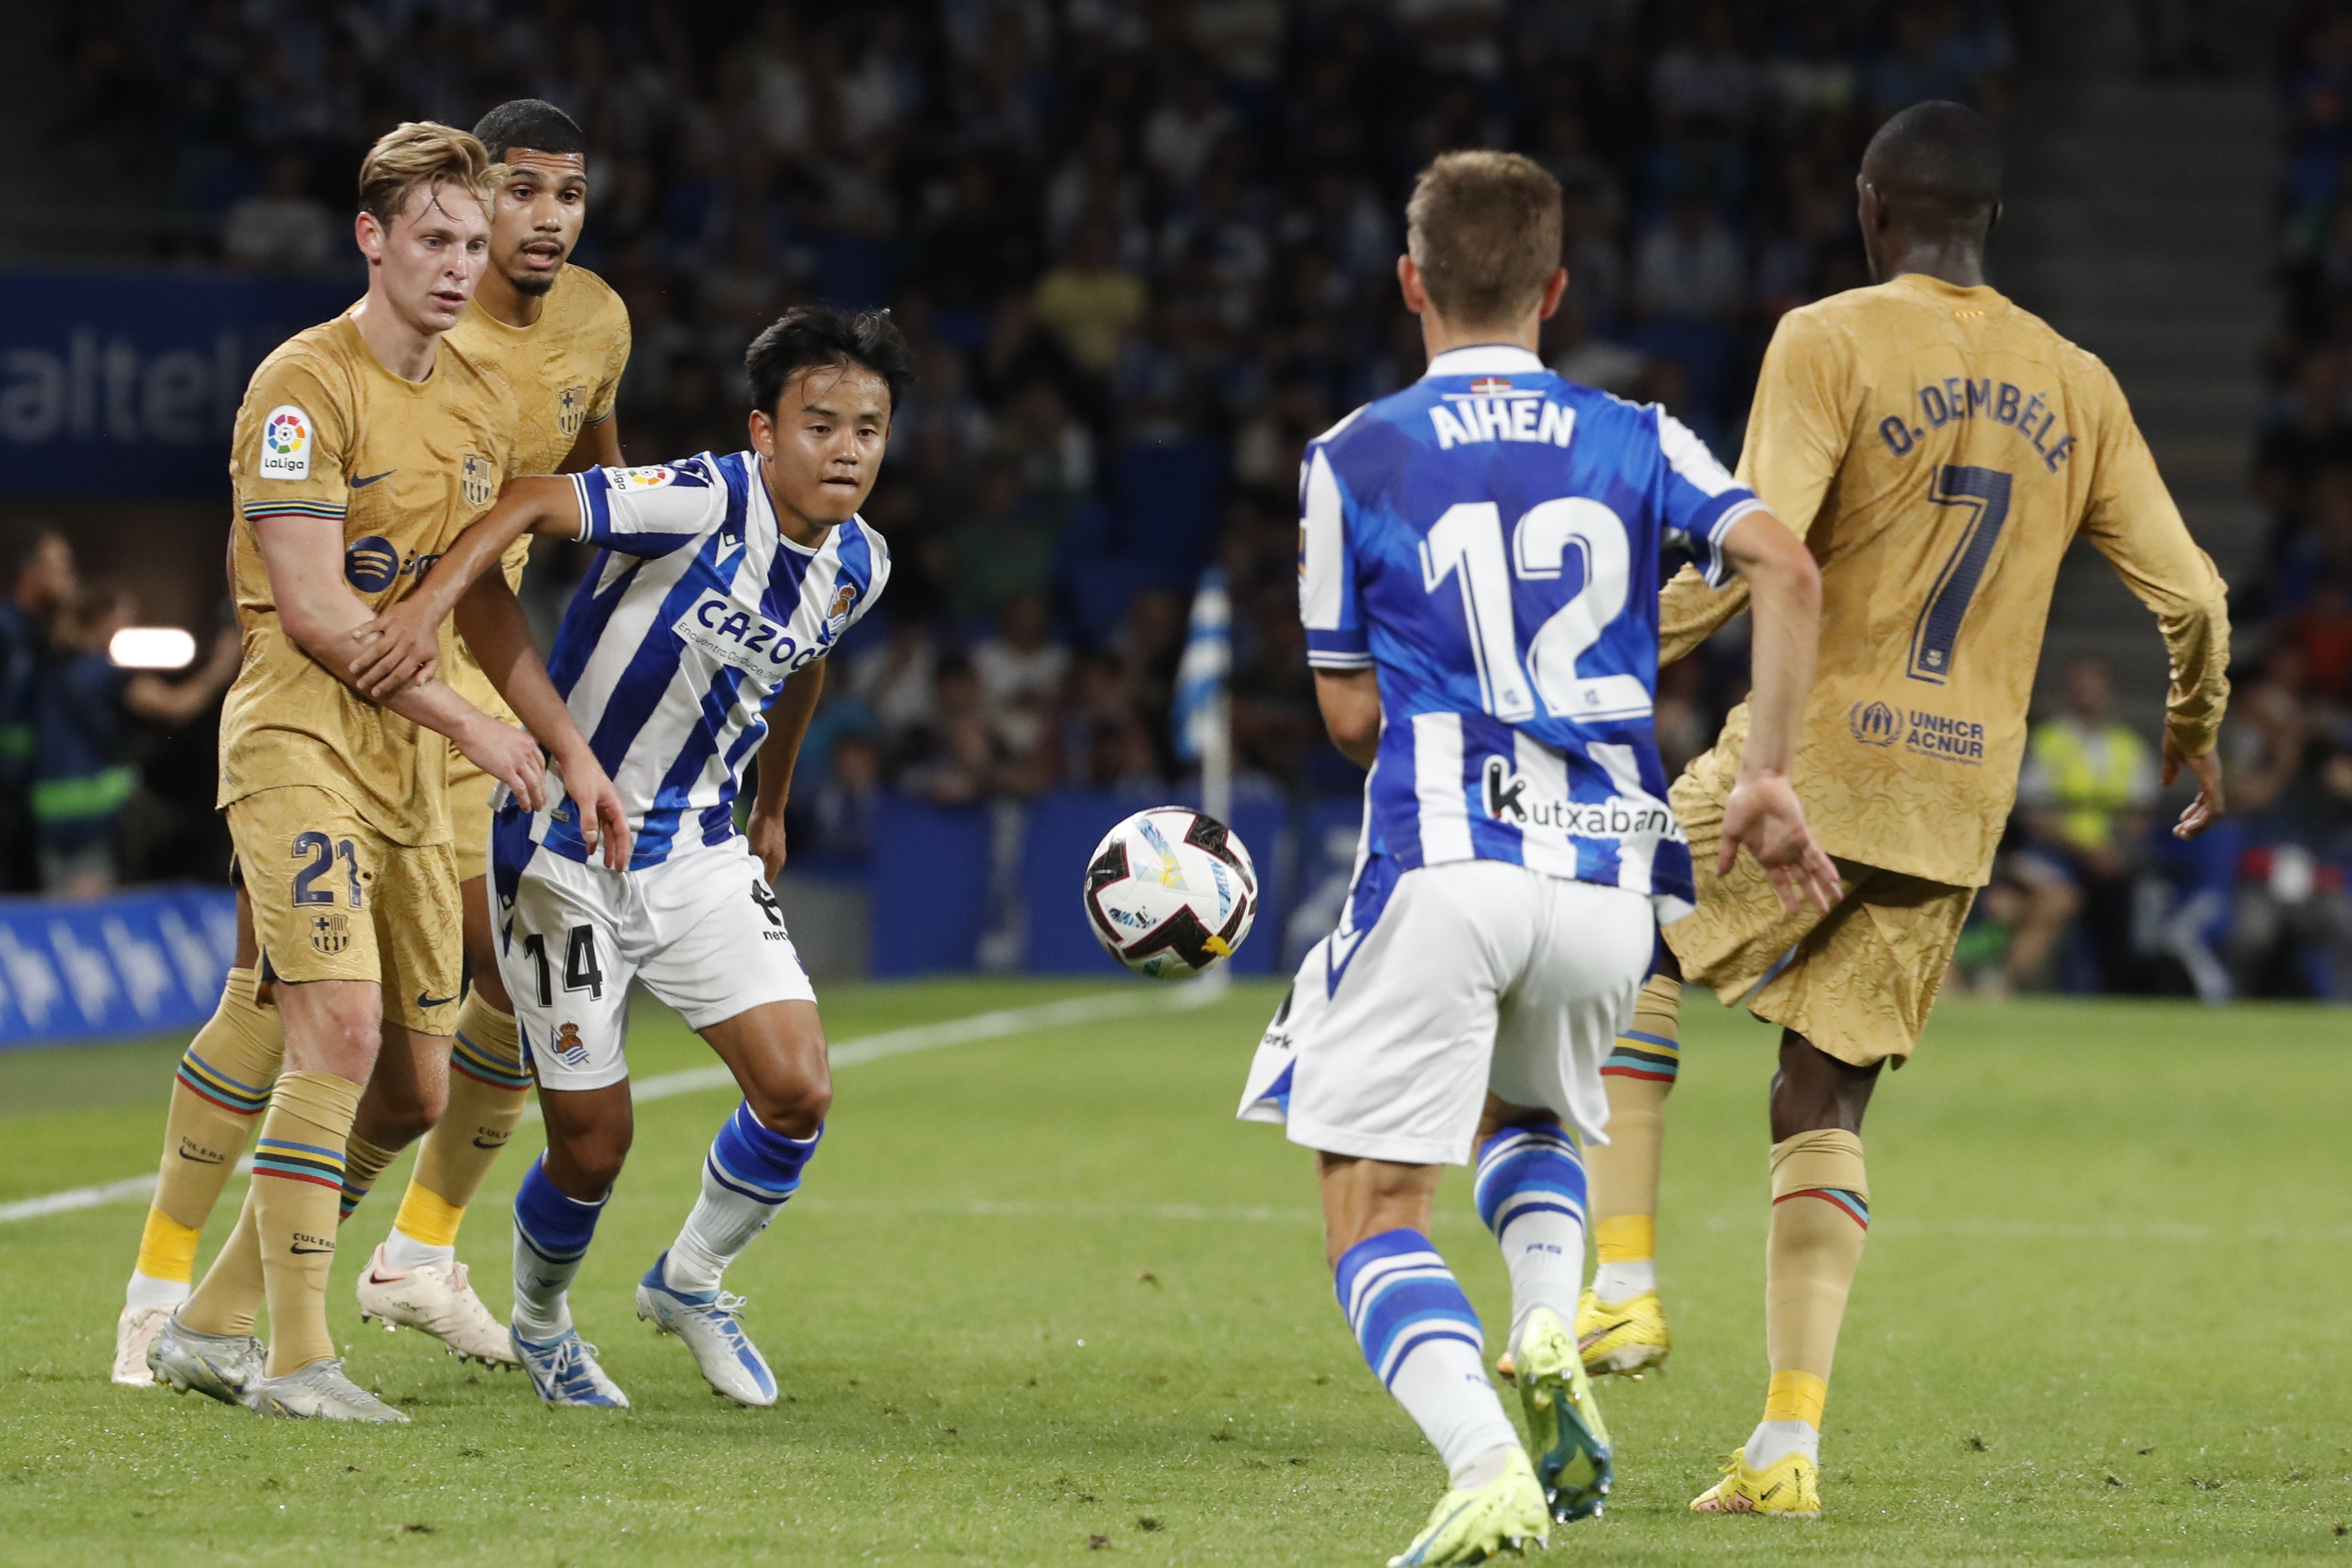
(1938, 163)
(809, 335)
(528, 122)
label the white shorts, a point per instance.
(1475, 976)
(701, 930)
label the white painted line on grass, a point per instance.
(993, 1025)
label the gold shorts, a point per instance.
(469, 815)
(333, 899)
(1857, 982)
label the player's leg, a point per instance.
(1621, 1321)
(1556, 1026)
(414, 1278)
(1389, 1077)
(556, 1207)
(1855, 994)
(218, 1093)
(726, 963)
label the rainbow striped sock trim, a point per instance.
(1651, 1057)
(480, 1065)
(298, 1162)
(210, 1084)
(1851, 1204)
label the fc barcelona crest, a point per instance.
(329, 933)
(478, 481)
(571, 410)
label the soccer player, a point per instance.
(363, 446)
(1478, 558)
(558, 339)
(700, 633)
(1941, 448)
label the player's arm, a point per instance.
(1338, 645)
(403, 644)
(1350, 701)
(788, 721)
(493, 626)
(304, 557)
(598, 447)
(1797, 431)
(2131, 521)
(1763, 813)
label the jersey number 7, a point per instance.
(1985, 493)
(1467, 544)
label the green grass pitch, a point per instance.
(1042, 1297)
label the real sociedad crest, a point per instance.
(836, 619)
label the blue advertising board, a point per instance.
(136, 964)
(122, 383)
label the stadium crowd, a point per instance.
(1145, 251)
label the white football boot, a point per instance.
(709, 1325)
(439, 1299)
(565, 1371)
(135, 1331)
(217, 1365)
(319, 1390)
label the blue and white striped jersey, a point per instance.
(694, 611)
(1488, 541)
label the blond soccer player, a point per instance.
(1940, 449)
(558, 339)
(363, 447)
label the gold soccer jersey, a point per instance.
(563, 371)
(1939, 448)
(326, 432)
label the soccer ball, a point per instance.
(1170, 892)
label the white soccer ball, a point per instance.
(1170, 892)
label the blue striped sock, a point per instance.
(1531, 1193)
(551, 1237)
(748, 1175)
(1420, 1338)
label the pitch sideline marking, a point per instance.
(994, 1024)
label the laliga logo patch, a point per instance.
(1875, 725)
(652, 479)
(372, 564)
(285, 443)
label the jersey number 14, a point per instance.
(1467, 544)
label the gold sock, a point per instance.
(1624, 1172)
(1820, 1215)
(231, 1296)
(488, 1088)
(363, 1162)
(217, 1097)
(298, 1181)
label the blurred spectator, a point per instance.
(1089, 301)
(840, 813)
(2086, 789)
(81, 777)
(1020, 671)
(42, 582)
(282, 228)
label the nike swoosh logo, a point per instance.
(299, 1250)
(375, 1278)
(202, 1159)
(364, 484)
(490, 1144)
(425, 1001)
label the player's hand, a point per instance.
(604, 819)
(510, 756)
(766, 834)
(1764, 816)
(397, 649)
(2206, 809)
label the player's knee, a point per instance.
(795, 1106)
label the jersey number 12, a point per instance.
(1467, 544)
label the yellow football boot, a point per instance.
(1472, 1525)
(1627, 1337)
(1787, 1487)
(1566, 1437)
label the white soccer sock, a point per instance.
(749, 1173)
(551, 1236)
(1531, 1193)
(404, 1251)
(1623, 1281)
(146, 1290)
(1420, 1338)
(1773, 1441)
